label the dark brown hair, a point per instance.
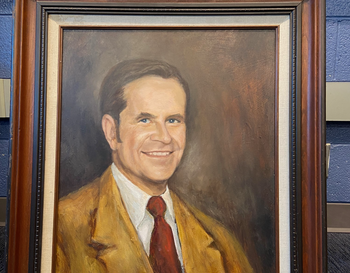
(112, 100)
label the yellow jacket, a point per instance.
(95, 234)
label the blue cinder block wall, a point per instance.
(6, 22)
(338, 70)
(338, 40)
(5, 38)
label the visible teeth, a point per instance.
(159, 153)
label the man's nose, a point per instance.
(161, 134)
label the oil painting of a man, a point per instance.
(128, 220)
(187, 116)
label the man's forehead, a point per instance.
(153, 92)
(151, 81)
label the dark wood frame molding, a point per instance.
(308, 212)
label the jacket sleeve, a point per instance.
(62, 264)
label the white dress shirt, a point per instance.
(135, 201)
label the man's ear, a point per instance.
(110, 130)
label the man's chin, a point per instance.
(157, 171)
(159, 178)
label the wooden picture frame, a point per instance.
(40, 103)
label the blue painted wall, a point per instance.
(5, 38)
(4, 151)
(337, 70)
(6, 22)
(338, 184)
(338, 40)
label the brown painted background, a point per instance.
(228, 170)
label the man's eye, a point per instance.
(144, 120)
(172, 120)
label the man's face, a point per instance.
(152, 129)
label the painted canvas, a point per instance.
(217, 122)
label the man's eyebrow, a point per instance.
(177, 116)
(145, 115)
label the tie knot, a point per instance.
(156, 206)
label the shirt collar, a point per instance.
(135, 199)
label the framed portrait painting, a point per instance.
(213, 110)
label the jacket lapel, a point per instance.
(118, 248)
(199, 251)
(113, 234)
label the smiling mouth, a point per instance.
(157, 154)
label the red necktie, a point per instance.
(163, 256)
